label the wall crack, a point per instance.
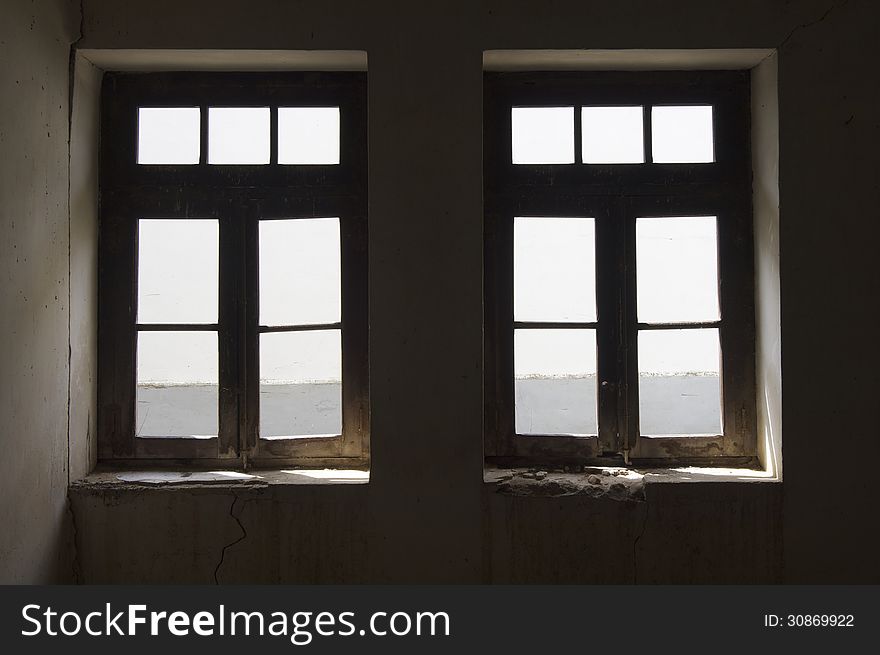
(234, 543)
(71, 74)
(837, 5)
(638, 538)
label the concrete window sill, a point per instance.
(609, 482)
(120, 480)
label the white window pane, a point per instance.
(543, 135)
(238, 135)
(554, 269)
(178, 263)
(168, 135)
(612, 135)
(308, 135)
(555, 382)
(679, 382)
(677, 269)
(682, 134)
(177, 384)
(300, 271)
(300, 384)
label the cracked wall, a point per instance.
(426, 516)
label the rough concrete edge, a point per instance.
(107, 481)
(76, 566)
(90, 486)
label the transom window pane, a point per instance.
(178, 263)
(300, 278)
(177, 384)
(677, 269)
(682, 134)
(308, 135)
(300, 384)
(543, 135)
(679, 382)
(238, 135)
(168, 135)
(612, 135)
(554, 266)
(555, 381)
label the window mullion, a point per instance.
(607, 334)
(629, 331)
(228, 334)
(249, 317)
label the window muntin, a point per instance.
(651, 293)
(182, 351)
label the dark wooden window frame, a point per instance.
(616, 195)
(239, 196)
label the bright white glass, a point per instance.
(308, 135)
(168, 135)
(178, 270)
(543, 135)
(300, 278)
(677, 269)
(612, 135)
(301, 357)
(238, 135)
(554, 269)
(177, 358)
(682, 134)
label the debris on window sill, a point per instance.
(615, 483)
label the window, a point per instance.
(233, 269)
(619, 300)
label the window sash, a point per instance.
(238, 196)
(616, 195)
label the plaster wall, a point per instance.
(426, 515)
(35, 42)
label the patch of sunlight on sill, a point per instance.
(332, 475)
(730, 473)
(219, 478)
(159, 477)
